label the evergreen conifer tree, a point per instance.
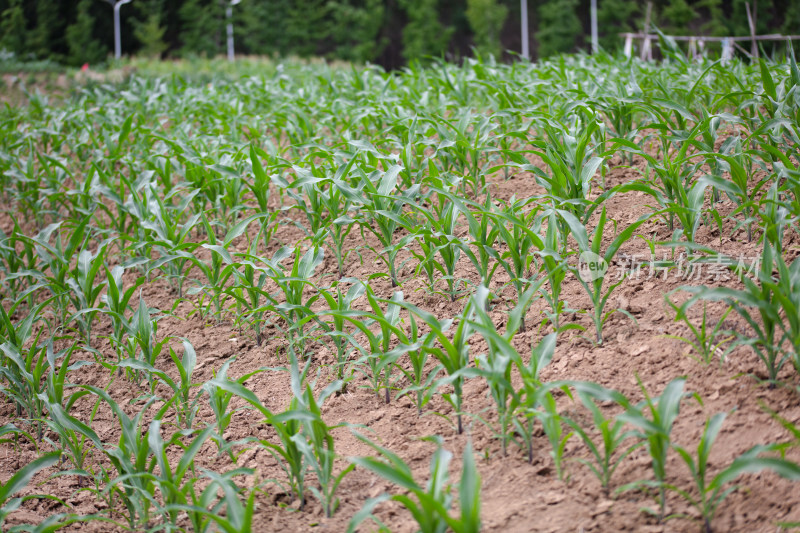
(83, 47)
(423, 35)
(559, 27)
(12, 28)
(486, 18)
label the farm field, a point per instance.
(561, 296)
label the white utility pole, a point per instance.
(523, 7)
(595, 42)
(117, 33)
(229, 15)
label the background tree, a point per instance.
(714, 17)
(737, 22)
(677, 16)
(559, 27)
(83, 47)
(387, 32)
(42, 39)
(615, 17)
(423, 35)
(202, 28)
(150, 31)
(307, 26)
(791, 20)
(261, 27)
(355, 29)
(486, 18)
(12, 27)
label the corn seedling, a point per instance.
(452, 354)
(437, 239)
(707, 340)
(496, 365)
(532, 392)
(707, 495)
(132, 459)
(420, 387)
(429, 505)
(382, 213)
(569, 155)
(219, 398)
(19, 481)
(597, 263)
(316, 442)
(609, 448)
(293, 285)
(760, 305)
(657, 432)
(514, 229)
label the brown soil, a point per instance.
(516, 496)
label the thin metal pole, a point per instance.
(229, 16)
(117, 32)
(595, 41)
(523, 7)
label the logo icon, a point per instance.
(591, 266)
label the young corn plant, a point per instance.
(656, 431)
(132, 459)
(707, 340)
(261, 181)
(707, 495)
(420, 379)
(378, 361)
(228, 512)
(16, 340)
(429, 505)
(531, 393)
(337, 206)
(382, 213)
(85, 288)
(451, 352)
(287, 426)
(217, 271)
(568, 153)
(467, 140)
(219, 399)
(20, 480)
(249, 293)
(740, 188)
(610, 445)
(670, 181)
(523, 242)
(483, 237)
(140, 342)
(17, 256)
(77, 439)
(437, 238)
(24, 373)
(185, 405)
(117, 301)
(56, 262)
(172, 483)
(293, 285)
(341, 303)
(761, 305)
(592, 256)
(170, 238)
(554, 267)
(316, 442)
(496, 365)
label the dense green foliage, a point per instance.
(386, 33)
